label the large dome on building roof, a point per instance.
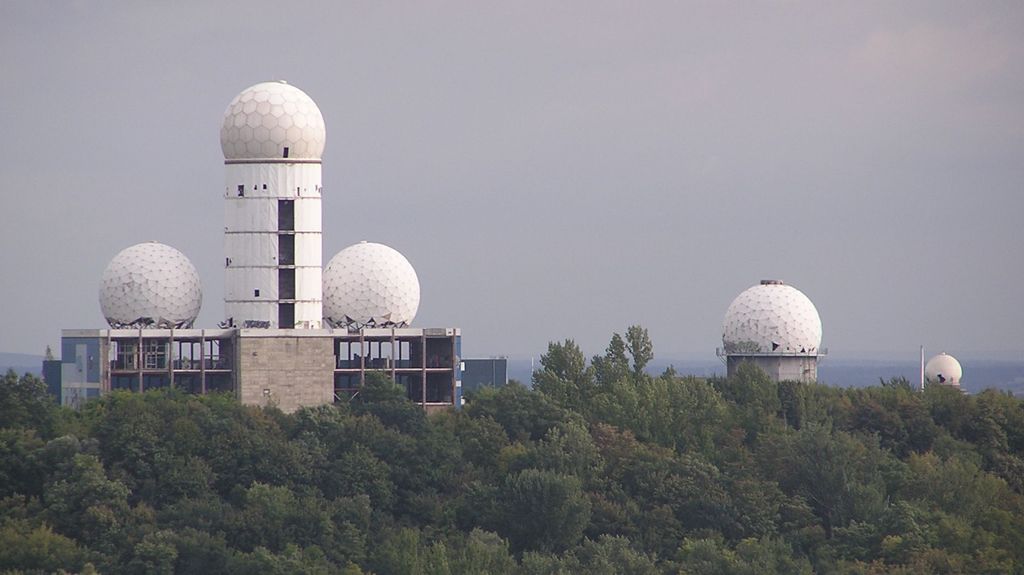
(370, 285)
(772, 317)
(272, 120)
(150, 285)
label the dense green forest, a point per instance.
(599, 468)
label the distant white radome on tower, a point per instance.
(150, 285)
(943, 369)
(370, 285)
(272, 120)
(772, 318)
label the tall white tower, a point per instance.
(273, 141)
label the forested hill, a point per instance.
(599, 469)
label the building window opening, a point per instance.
(285, 155)
(286, 215)
(189, 383)
(345, 384)
(126, 354)
(439, 388)
(154, 355)
(413, 384)
(241, 190)
(286, 315)
(256, 293)
(439, 353)
(129, 382)
(286, 283)
(403, 355)
(286, 250)
(379, 355)
(188, 355)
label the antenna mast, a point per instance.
(922, 368)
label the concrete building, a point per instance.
(775, 327)
(273, 347)
(288, 369)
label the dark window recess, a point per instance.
(255, 293)
(227, 262)
(285, 155)
(264, 186)
(286, 250)
(241, 190)
(286, 315)
(286, 283)
(286, 215)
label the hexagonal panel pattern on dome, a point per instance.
(150, 285)
(770, 318)
(370, 285)
(943, 369)
(267, 118)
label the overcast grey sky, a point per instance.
(551, 169)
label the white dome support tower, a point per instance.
(775, 327)
(273, 140)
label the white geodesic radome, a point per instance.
(150, 285)
(370, 285)
(272, 120)
(772, 318)
(943, 369)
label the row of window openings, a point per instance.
(189, 355)
(298, 189)
(437, 387)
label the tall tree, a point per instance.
(839, 474)
(564, 375)
(24, 402)
(614, 365)
(638, 342)
(524, 414)
(87, 506)
(543, 511)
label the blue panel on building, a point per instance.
(68, 347)
(51, 375)
(484, 373)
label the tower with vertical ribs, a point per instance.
(273, 139)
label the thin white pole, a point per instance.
(922, 368)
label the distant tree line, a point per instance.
(599, 468)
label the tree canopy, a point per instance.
(598, 468)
